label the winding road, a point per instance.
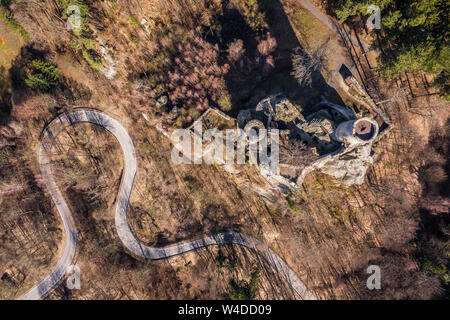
(125, 234)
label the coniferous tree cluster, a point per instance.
(413, 37)
(45, 76)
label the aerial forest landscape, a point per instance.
(218, 150)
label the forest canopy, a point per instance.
(414, 35)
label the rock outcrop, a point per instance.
(342, 142)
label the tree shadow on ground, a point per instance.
(66, 93)
(247, 89)
(5, 96)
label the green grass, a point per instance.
(152, 213)
(220, 260)
(438, 269)
(7, 16)
(307, 27)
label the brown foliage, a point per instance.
(236, 51)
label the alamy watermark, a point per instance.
(232, 146)
(374, 281)
(74, 20)
(374, 21)
(74, 279)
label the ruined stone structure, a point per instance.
(341, 140)
(327, 137)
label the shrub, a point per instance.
(436, 268)
(220, 260)
(194, 113)
(92, 59)
(305, 63)
(253, 16)
(45, 76)
(267, 45)
(90, 44)
(8, 17)
(291, 204)
(193, 185)
(236, 51)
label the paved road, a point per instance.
(126, 235)
(336, 81)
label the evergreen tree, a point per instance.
(45, 76)
(414, 35)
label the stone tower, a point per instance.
(356, 132)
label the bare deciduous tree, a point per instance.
(306, 62)
(296, 153)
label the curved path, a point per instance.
(129, 240)
(330, 23)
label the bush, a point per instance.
(434, 175)
(225, 103)
(291, 204)
(133, 21)
(8, 17)
(45, 76)
(84, 14)
(267, 45)
(220, 260)
(236, 51)
(241, 290)
(253, 16)
(92, 59)
(436, 268)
